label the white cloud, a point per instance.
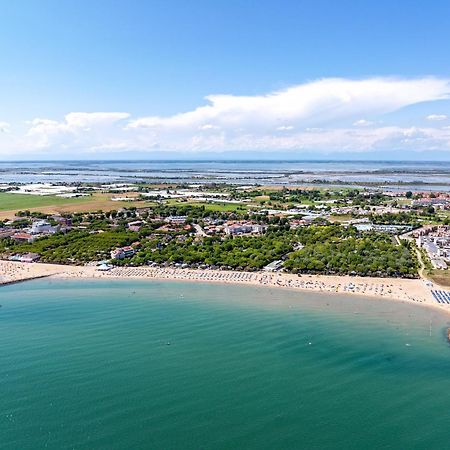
(77, 129)
(362, 123)
(285, 128)
(437, 117)
(4, 127)
(308, 116)
(208, 126)
(311, 104)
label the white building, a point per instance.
(42, 226)
(178, 220)
(273, 266)
(243, 228)
(122, 253)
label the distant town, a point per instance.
(219, 226)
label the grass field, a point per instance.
(24, 201)
(441, 277)
(227, 207)
(340, 218)
(10, 204)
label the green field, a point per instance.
(219, 207)
(24, 201)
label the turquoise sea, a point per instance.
(160, 365)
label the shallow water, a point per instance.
(236, 172)
(126, 364)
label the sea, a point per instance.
(403, 175)
(125, 364)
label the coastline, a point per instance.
(413, 291)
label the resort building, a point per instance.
(440, 202)
(435, 240)
(177, 220)
(438, 263)
(22, 237)
(243, 228)
(42, 226)
(273, 266)
(123, 252)
(25, 258)
(135, 226)
(29, 257)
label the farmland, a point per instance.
(10, 204)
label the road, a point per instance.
(421, 270)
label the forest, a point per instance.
(239, 252)
(334, 249)
(75, 247)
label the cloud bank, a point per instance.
(437, 117)
(328, 115)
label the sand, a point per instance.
(399, 289)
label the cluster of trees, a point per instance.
(33, 214)
(358, 198)
(401, 218)
(413, 218)
(365, 200)
(299, 195)
(74, 247)
(335, 250)
(240, 252)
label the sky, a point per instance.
(220, 79)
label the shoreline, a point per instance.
(412, 291)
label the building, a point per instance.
(135, 226)
(63, 221)
(22, 237)
(440, 202)
(123, 252)
(243, 228)
(6, 232)
(296, 223)
(435, 240)
(42, 226)
(177, 220)
(438, 263)
(29, 257)
(393, 229)
(273, 266)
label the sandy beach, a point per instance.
(406, 290)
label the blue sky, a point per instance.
(128, 70)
